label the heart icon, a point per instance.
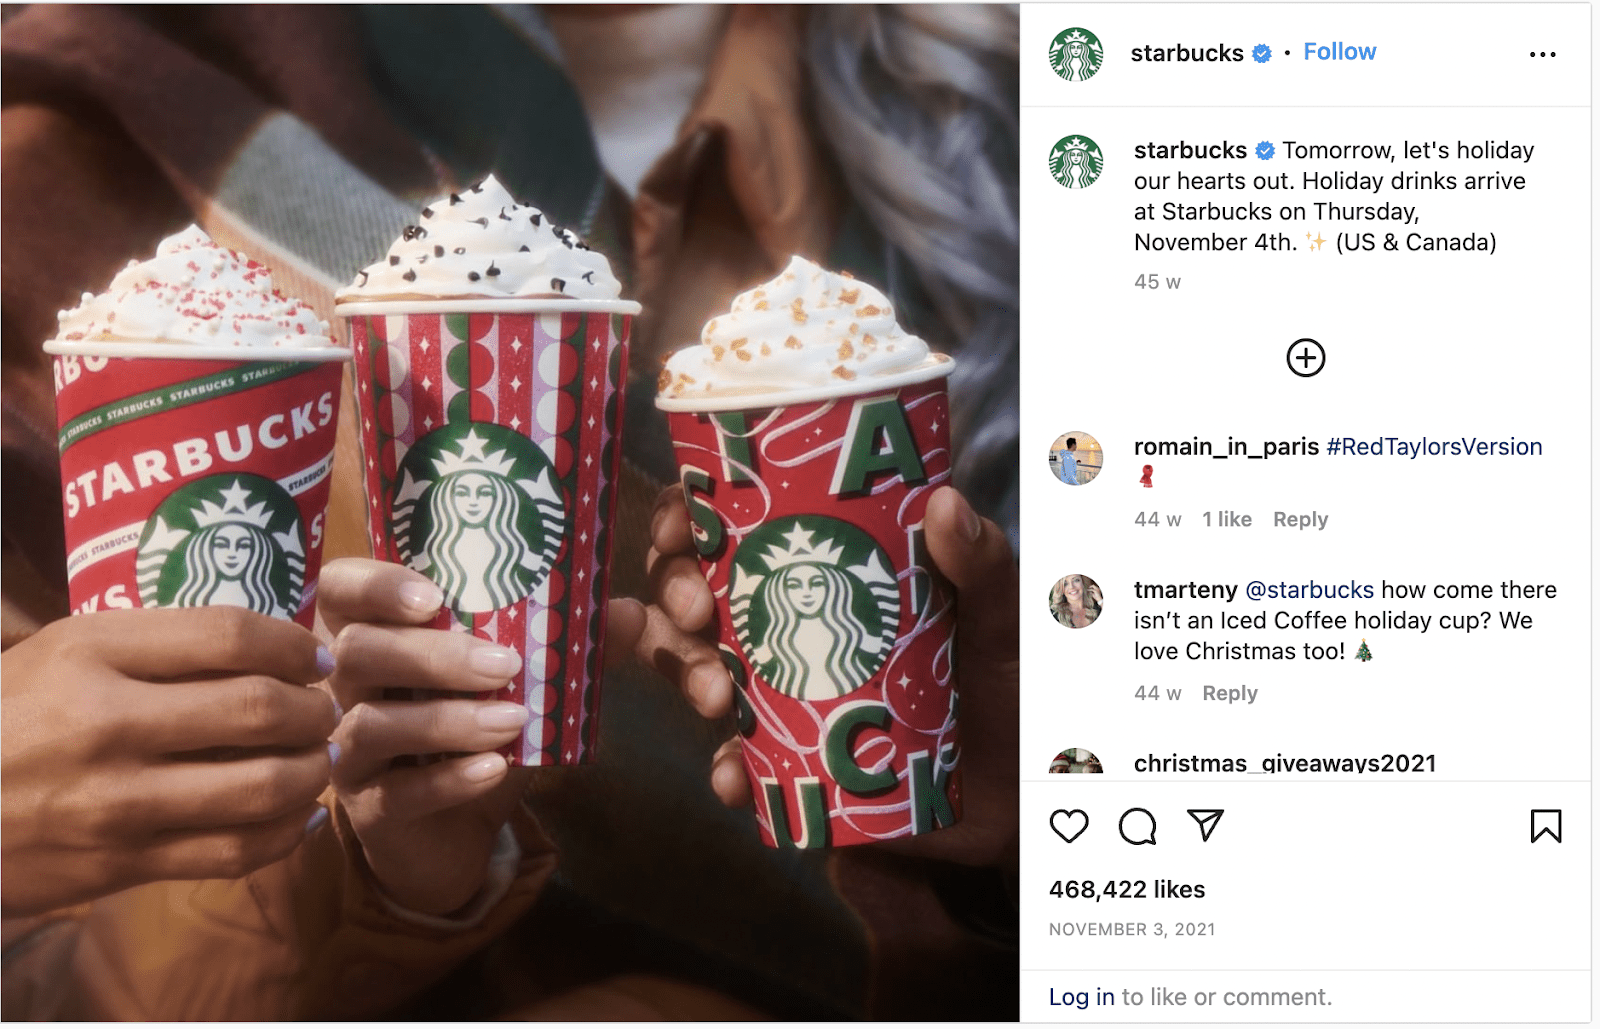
(1069, 825)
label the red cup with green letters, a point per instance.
(807, 506)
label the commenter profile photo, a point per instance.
(1076, 761)
(1076, 600)
(1075, 458)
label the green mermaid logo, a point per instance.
(815, 606)
(226, 539)
(1075, 54)
(1076, 161)
(477, 511)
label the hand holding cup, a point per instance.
(159, 744)
(427, 827)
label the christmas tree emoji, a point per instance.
(1363, 654)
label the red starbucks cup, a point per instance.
(807, 508)
(190, 477)
(491, 439)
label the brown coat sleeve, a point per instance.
(306, 938)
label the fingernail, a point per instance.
(495, 662)
(502, 717)
(703, 680)
(334, 750)
(484, 768)
(338, 709)
(325, 664)
(422, 597)
(681, 594)
(967, 519)
(315, 821)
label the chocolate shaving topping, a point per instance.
(438, 251)
(477, 187)
(482, 221)
(455, 198)
(473, 276)
(410, 275)
(461, 250)
(491, 271)
(363, 278)
(393, 260)
(523, 249)
(559, 285)
(413, 232)
(534, 218)
(588, 277)
(427, 212)
(504, 216)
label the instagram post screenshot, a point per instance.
(928, 513)
(1306, 610)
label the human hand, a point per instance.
(156, 744)
(975, 556)
(426, 830)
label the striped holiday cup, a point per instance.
(491, 436)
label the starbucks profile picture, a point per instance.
(815, 606)
(1076, 161)
(477, 511)
(227, 539)
(1075, 54)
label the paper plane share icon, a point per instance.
(1207, 819)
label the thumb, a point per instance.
(975, 556)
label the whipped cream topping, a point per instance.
(482, 244)
(805, 329)
(194, 291)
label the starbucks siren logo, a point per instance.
(226, 539)
(1075, 54)
(815, 606)
(1075, 161)
(477, 511)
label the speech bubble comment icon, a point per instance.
(1137, 826)
(1069, 824)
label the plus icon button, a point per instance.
(1306, 357)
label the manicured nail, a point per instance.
(334, 750)
(421, 597)
(484, 768)
(967, 520)
(681, 594)
(338, 709)
(315, 821)
(494, 662)
(325, 664)
(502, 717)
(704, 680)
